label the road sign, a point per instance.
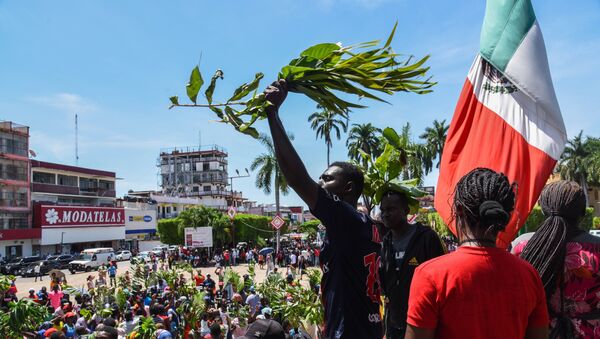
(231, 212)
(277, 222)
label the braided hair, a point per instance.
(563, 205)
(483, 201)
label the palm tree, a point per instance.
(363, 137)
(415, 156)
(580, 161)
(324, 123)
(269, 175)
(435, 137)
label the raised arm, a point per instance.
(289, 162)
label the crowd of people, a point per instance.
(547, 286)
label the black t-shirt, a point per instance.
(349, 259)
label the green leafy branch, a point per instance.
(320, 72)
(381, 174)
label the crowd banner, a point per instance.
(507, 117)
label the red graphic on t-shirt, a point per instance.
(372, 262)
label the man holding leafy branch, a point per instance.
(350, 254)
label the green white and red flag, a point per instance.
(507, 117)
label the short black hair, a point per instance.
(402, 196)
(215, 331)
(353, 174)
(111, 332)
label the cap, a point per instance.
(70, 314)
(264, 329)
(267, 311)
(32, 290)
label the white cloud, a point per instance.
(66, 102)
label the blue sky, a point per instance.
(116, 63)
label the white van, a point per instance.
(91, 259)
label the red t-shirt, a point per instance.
(477, 292)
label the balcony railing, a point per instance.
(72, 190)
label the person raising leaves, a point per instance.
(478, 291)
(567, 259)
(351, 249)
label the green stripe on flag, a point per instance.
(505, 25)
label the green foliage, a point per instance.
(320, 72)
(536, 218)
(168, 231)
(310, 227)
(251, 227)
(5, 281)
(172, 231)
(314, 276)
(324, 123)
(435, 221)
(596, 223)
(381, 174)
(23, 316)
(145, 328)
(230, 276)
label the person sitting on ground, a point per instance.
(405, 247)
(566, 258)
(478, 291)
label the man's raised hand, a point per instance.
(276, 94)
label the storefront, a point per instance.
(18, 242)
(75, 228)
(139, 225)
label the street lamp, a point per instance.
(62, 234)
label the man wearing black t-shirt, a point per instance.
(350, 256)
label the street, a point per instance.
(78, 280)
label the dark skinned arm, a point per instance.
(289, 162)
(413, 332)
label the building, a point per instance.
(199, 173)
(75, 208)
(294, 213)
(16, 233)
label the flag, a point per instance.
(507, 117)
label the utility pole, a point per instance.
(233, 199)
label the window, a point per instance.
(13, 144)
(205, 166)
(13, 170)
(13, 196)
(11, 221)
(106, 185)
(44, 178)
(207, 188)
(67, 180)
(86, 184)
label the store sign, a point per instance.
(66, 216)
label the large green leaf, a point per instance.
(320, 51)
(211, 87)
(193, 87)
(245, 89)
(392, 137)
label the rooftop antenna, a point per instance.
(76, 142)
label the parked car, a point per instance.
(15, 266)
(159, 249)
(29, 270)
(91, 259)
(123, 255)
(61, 261)
(141, 257)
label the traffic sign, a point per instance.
(277, 222)
(231, 212)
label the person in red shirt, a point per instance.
(478, 291)
(199, 278)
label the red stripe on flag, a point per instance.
(478, 137)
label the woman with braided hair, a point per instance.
(478, 291)
(568, 261)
